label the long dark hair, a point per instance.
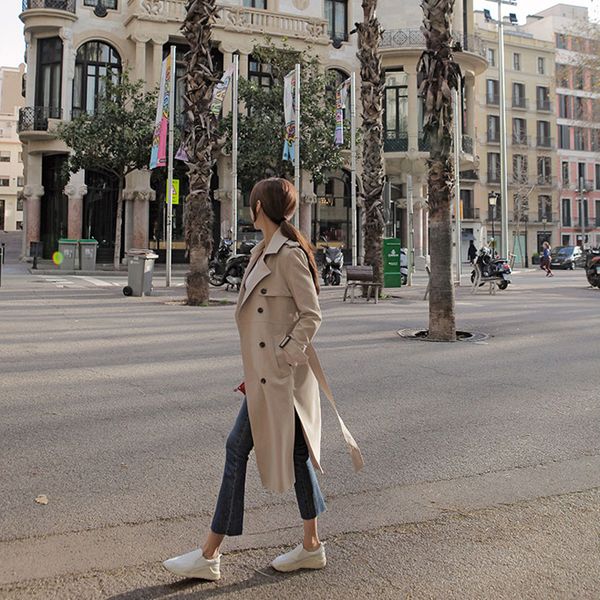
(279, 199)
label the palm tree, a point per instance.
(371, 95)
(439, 74)
(201, 145)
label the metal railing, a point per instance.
(519, 102)
(493, 176)
(520, 139)
(35, 118)
(492, 99)
(493, 138)
(544, 105)
(544, 142)
(546, 180)
(395, 141)
(470, 213)
(414, 38)
(542, 216)
(67, 5)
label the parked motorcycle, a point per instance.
(333, 261)
(592, 267)
(492, 267)
(218, 264)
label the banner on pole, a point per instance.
(158, 156)
(341, 95)
(289, 109)
(220, 90)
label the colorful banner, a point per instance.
(158, 156)
(341, 95)
(220, 90)
(289, 109)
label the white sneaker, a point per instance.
(299, 558)
(194, 565)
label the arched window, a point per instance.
(95, 60)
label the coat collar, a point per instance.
(257, 261)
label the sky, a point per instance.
(12, 45)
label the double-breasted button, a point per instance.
(263, 291)
(261, 309)
(263, 380)
(262, 344)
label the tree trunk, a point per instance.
(371, 95)
(119, 227)
(201, 145)
(439, 74)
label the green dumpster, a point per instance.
(392, 277)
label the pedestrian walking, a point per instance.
(472, 252)
(277, 316)
(546, 259)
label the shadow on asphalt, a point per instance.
(196, 589)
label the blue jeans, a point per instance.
(229, 513)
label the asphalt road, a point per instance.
(117, 410)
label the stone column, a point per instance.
(68, 72)
(128, 219)
(141, 217)
(75, 193)
(33, 208)
(140, 56)
(157, 58)
(418, 227)
(470, 106)
(413, 106)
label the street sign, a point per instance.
(175, 192)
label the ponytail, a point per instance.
(294, 234)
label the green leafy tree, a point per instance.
(116, 139)
(261, 127)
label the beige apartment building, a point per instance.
(531, 144)
(72, 43)
(11, 160)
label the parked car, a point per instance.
(567, 257)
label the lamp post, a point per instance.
(544, 221)
(503, 142)
(493, 199)
(581, 210)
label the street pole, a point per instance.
(411, 238)
(581, 219)
(353, 165)
(457, 220)
(234, 154)
(297, 148)
(170, 168)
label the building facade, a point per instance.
(72, 43)
(531, 144)
(11, 159)
(578, 121)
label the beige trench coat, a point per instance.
(281, 301)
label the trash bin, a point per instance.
(87, 254)
(70, 255)
(392, 276)
(140, 268)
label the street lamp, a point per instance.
(582, 192)
(503, 148)
(544, 221)
(493, 199)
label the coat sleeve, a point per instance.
(299, 280)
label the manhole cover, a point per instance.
(423, 335)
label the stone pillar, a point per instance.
(32, 52)
(470, 106)
(413, 106)
(75, 192)
(68, 72)
(33, 208)
(157, 58)
(418, 227)
(140, 56)
(137, 196)
(128, 217)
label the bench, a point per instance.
(361, 277)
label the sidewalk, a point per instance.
(541, 549)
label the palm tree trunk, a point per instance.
(118, 227)
(200, 139)
(439, 74)
(371, 95)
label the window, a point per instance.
(95, 60)
(396, 110)
(20, 157)
(561, 41)
(20, 181)
(491, 57)
(580, 138)
(543, 134)
(493, 128)
(49, 76)
(516, 61)
(565, 173)
(493, 162)
(544, 208)
(542, 95)
(579, 111)
(520, 168)
(4, 182)
(581, 175)
(597, 172)
(597, 223)
(112, 4)
(564, 137)
(519, 100)
(20, 204)
(578, 79)
(256, 4)
(466, 204)
(4, 155)
(541, 65)
(519, 131)
(564, 106)
(492, 93)
(260, 73)
(566, 212)
(583, 219)
(336, 14)
(544, 169)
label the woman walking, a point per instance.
(277, 316)
(546, 259)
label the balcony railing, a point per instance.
(492, 99)
(35, 118)
(519, 102)
(470, 213)
(493, 137)
(68, 5)
(542, 216)
(467, 144)
(520, 139)
(395, 141)
(544, 142)
(414, 38)
(544, 105)
(546, 180)
(493, 176)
